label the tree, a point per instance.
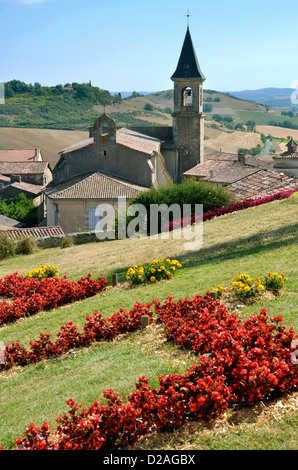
(251, 126)
(148, 107)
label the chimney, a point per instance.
(292, 146)
(241, 158)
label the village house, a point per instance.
(243, 175)
(287, 162)
(25, 171)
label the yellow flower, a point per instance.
(152, 279)
(152, 270)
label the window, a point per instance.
(187, 96)
(92, 218)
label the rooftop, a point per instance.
(126, 137)
(18, 155)
(34, 189)
(243, 180)
(137, 141)
(188, 64)
(262, 183)
(95, 185)
(23, 167)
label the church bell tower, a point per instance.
(188, 118)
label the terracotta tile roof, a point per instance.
(25, 187)
(17, 155)
(225, 172)
(4, 178)
(287, 156)
(8, 222)
(261, 183)
(222, 156)
(35, 232)
(126, 137)
(244, 181)
(95, 185)
(137, 141)
(18, 168)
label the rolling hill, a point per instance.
(276, 97)
(56, 120)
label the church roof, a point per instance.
(188, 65)
(137, 141)
(126, 137)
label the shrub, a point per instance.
(67, 241)
(7, 246)
(26, 246)
(189, 192)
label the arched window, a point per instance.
(187, 96)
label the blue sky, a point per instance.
(135, 45)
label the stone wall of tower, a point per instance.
(188, 124)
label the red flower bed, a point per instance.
(237, 206)
(240, 363)
(95, 329)
(33, 295)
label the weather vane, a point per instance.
(188, 16)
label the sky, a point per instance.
(127, 45)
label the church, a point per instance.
(115, 163)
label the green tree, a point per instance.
(251, 126)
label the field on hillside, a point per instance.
(231, 142)
(278, 131)
(51, 141)
(254, 241)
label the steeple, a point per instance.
(188, 117)
(188, 65)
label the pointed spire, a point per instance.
(188, 65)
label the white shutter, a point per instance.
(93, 219)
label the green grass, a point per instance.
(255, 241)
(263, 118)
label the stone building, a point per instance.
(132, 159)
(287, 162)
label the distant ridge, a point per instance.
(275, 97)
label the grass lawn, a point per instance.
(255, 241)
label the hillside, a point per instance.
(54, 118)
(276, 97)
(254, 241)
(51, 141)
